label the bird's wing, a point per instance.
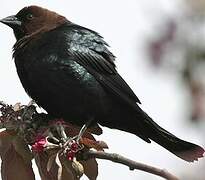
(90, 50)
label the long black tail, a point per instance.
(183, 149)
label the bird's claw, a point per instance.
(61, 131)
(82, 131)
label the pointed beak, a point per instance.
(11, 21)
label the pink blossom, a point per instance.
(74, 147)
(70, 155)
(39, 145)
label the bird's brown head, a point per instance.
(33, 19)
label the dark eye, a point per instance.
(29, 16)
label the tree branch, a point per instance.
(130, 163)
(27, 123)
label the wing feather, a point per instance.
(90, 50)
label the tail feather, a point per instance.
(183, 149)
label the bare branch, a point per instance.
(130, 163)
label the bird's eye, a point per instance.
(29, 16)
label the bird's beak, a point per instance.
(11, 21)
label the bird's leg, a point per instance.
(70, 145)
(82, 130)
(61, 132)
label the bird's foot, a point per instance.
(57, 138)
(72, 145)
(61, 132)
(82, 131)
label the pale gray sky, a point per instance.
(125, 25)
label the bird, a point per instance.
(70, 72)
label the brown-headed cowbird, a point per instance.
(70, 72)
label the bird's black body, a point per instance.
(70, 72)
(74, 71)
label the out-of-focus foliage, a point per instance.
(179, 46)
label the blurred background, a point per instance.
(160, 49)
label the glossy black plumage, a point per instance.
(69, 71)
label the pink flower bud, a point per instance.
(74, 147)
(39, 145)
(70, 155)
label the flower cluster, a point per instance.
(42, 143)
(39, 144)
(74, 148)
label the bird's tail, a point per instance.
(183, 149)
